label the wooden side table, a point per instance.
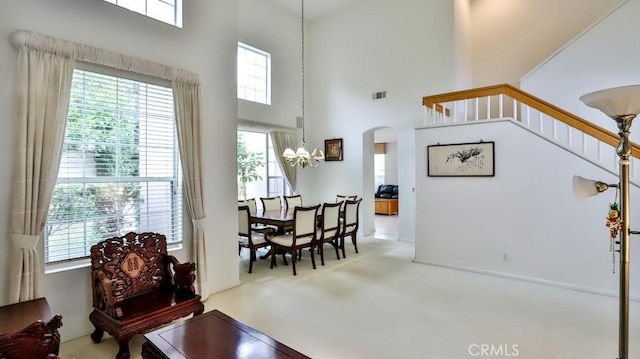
(29, 330)
(386, 206)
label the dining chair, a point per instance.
(329, 228)
(271, 203)
(251, 202)
(342, 198)
(292, 201)
(249, 237)
(349, 223)
(303, 236)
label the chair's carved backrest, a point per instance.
(251, 203)
(271, 203)
(292, 202)
(137, 259)
(351, 215)
(305, 222)
(330, 219)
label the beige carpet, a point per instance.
(379, 304)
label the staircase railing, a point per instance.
(567, 130)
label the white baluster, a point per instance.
(488, 107)
(500, 108)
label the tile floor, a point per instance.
(380, 304)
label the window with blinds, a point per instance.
(120, 167)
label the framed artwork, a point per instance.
(461, 159)
(333, 149)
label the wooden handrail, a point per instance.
(534, 102)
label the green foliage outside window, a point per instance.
(248, 164)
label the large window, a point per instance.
(169, 11)
(264, 178)
(254, 74)
(120, 168)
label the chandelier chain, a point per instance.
(302, 26)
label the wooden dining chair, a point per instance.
(292, 201)
(349, 223)
(329, 228)
(303, 236)
(342, 198)
(251, 203)
(271, 203)
(249, 237)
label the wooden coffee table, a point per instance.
(213, 335)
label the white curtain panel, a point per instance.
(281, 141)
(45, 67)
(44, 88)
(186, 98)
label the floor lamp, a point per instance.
(622, 104)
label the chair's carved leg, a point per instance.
(198, 311)
(273, 256)
(313, 258)
(97, 334)
(123, 343)
(321, 250)
(335, 246)
(293, 261)
(342, 247)
(354, 241)
(252, 258)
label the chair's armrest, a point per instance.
(184, 275)
(107, 294)
(34, 341)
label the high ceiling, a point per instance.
(313, 9)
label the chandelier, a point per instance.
(301, 156)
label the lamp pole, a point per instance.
(624, 152)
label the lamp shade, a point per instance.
(584, 188)
(614, 102)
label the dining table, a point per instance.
(279, 218)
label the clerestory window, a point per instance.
(169, 11)
(254, 74)
(120, 169)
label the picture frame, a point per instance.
(474, 159)
(333, 149)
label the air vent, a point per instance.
(379, 95)
(299, 122)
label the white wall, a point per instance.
(391, 163)
(206, 45)
(403, 47)
(527, 210)
(276, 31)
(509, 38)
(603, 57)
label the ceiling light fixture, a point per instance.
(301, 157)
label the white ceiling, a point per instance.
(313, 9)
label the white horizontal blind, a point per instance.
(120, 168)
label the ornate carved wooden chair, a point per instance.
(38, 340)
(137, 287)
